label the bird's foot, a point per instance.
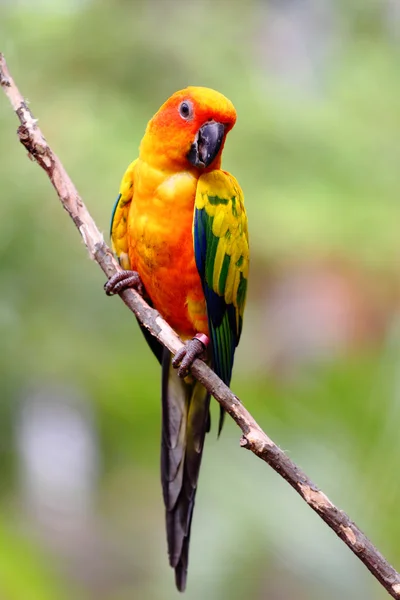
(185, 357)
(122, 281)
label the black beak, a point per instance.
(206, 144)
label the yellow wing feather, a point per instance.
(227, 257)
(119, 219)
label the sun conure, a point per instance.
(179, 229)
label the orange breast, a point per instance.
(161, 246)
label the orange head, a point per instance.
(189, 130)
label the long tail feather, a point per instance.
(185, 421)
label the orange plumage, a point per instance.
(161, 246)
(163, 184)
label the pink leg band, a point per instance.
(203, 338)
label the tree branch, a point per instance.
(253, 438)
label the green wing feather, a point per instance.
(221, 248)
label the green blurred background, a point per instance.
(316, 148)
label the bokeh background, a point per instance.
(316, 84)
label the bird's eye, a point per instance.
(186, 110)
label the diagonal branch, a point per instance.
(253, 438)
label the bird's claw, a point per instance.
(122, 281)
(185, 357)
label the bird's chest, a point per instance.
(160, 220)
(161, 242)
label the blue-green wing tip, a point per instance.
(114, 210)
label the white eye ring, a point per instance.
(186, 110)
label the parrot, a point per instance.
(179, 230)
